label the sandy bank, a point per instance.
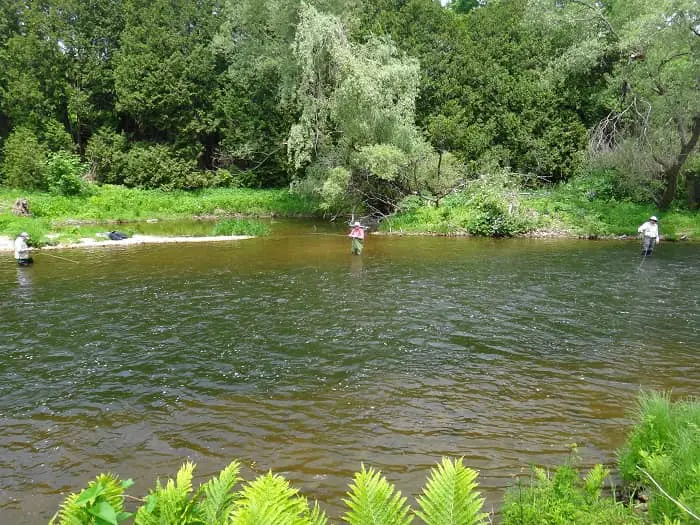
(7, 244)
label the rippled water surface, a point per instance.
(290, 354)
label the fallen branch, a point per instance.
(680, 505)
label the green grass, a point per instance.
(600, 217)
(563, 497)
(107, 203)
(665, 442)
(564, 210)
(241, 227)
(123, 204)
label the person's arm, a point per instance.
(641, 228)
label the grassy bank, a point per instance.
(664, 445)
(499, 208)
(491, 207)
(118, 204)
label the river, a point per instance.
(290, 354)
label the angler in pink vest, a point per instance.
(357, 234)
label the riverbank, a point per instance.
(566, 211)
(7, 244)
(68, 221)
(555, 212)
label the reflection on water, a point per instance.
(289, 353)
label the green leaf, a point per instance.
(105, 512)
(374, 501)
(127, 483)
(450, 496)
(89, 495)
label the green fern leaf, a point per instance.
(269, 500)
(218, 496)
(171, 504)
(450, 496)
(101, 502)
(374, 501)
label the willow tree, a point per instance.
(653, 127)
(356, 141)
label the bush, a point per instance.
(156, 166)
(449, 497)
(201, 179)
(241, 227)
(106, 152)
(64, 174)
(492, 204)
(24, 163)
(665, 443)
(55, 136)
(564, 498)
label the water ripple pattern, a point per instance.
(290, 354)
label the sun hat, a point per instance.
(24, 234)
(653, 218)
(357, 223)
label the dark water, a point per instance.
(289, 354)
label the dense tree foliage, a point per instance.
(363, 103)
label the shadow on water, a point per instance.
(289, 353)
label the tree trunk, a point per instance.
(670, 174)
(692, 184)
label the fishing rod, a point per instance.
(643, 259)
(62, 258)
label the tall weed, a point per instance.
(665, 443)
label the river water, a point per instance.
(290, 354)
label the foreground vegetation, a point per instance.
(663, 445)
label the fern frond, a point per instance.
(218, 496)
(269, 500)
(103, 496)
(374, 501)
(170, 504)
(450, 496)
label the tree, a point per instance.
(256, 98)
(652, 95)
(166, 73)
(356, 138)
(480, 93)
(89, 35)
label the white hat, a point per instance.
(24, 234)
(653, 218)
(357, 223)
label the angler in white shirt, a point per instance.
(22, 250)
(650, 235)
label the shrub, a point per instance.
(55, 136)
(564, 498)
(64, 174)
(241, 227)
(200, 179)
(106, 152)
(493, 206)
(449, 498)
(24, 163)
(156, 166)
(665, 443)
